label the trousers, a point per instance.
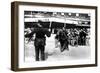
(64, 45)
(40, 53)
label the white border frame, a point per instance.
(22, 64)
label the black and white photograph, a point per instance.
(54, 36)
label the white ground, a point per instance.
(54, 54)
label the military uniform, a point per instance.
(63, 39)
(40, 42)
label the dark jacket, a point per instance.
(40, 37)
(41, 32)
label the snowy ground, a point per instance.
(54, 54)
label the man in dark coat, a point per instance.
(63, 39)
(40, 41)
(82, 36)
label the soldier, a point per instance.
(63, 39)
(40, 41)
(82, 36)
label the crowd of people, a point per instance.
(73, 37)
